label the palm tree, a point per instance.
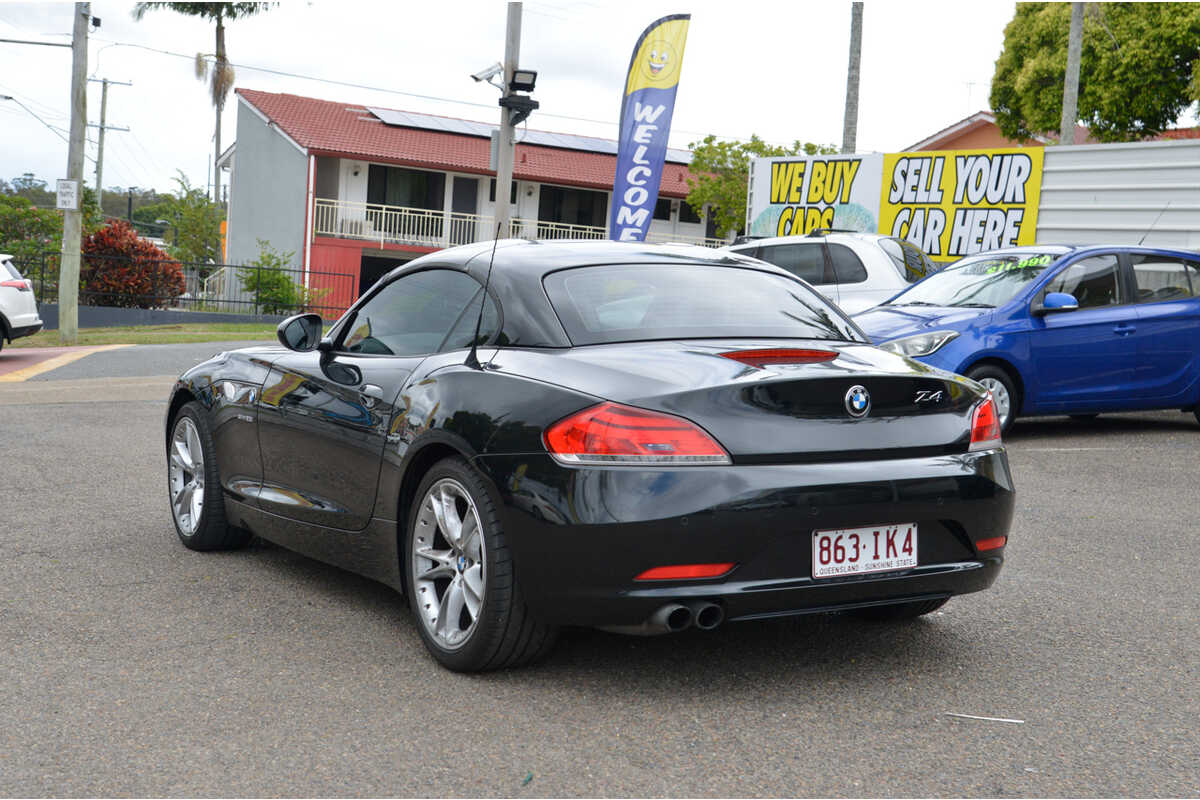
(222, 71)
(850, 120)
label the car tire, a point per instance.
(460, 578)
(194, 484)
(896, 612)
(997, 381)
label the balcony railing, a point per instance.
(417, 226)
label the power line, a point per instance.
(435, 98)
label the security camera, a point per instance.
(487, 73)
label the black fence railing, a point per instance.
(134, 282)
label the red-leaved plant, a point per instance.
(121, 269)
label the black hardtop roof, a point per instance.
(521, 260)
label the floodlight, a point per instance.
(523, 80)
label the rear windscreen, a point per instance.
(625, 303)
(8, 271)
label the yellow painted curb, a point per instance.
(54, 363)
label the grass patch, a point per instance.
(157, 334)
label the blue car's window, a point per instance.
(1092, 281)
(978, 281)
(1163, 278)
(622, 303)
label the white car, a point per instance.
(18, 307)
(856, 271)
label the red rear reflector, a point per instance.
(614, 434)
(685, 571)
(22, 285)
(985, 426)
(991, 544)
(780, 355)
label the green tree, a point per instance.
(220, 75)
(27, 231)
(720, 174)
(191, 223)
(1139, 68)
(269, 279)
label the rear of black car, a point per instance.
(739, 445)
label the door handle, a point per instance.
(1123, 329)
(369, 393)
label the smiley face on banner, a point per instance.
(661, 65)
(658, 58)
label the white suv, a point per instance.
(856, 271)
(18, 307)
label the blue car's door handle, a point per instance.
(1123, 329)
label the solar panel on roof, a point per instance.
(565, 141)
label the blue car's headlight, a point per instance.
(920, 345)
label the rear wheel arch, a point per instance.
(417, 467)
(5, 329)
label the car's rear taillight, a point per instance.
(612, 434)
(23, 285)
(780, 355)
(985, 426)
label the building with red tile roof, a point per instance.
(351, 190)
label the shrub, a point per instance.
(121, 269)
(267, 278)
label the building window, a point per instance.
(662, 209)
(572, 206)
(512, 199)
(687, 214)
(405, 188)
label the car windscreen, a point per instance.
(978, 281)
(626, 303)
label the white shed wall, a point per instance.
(1118, 193)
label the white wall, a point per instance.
(1114, 193)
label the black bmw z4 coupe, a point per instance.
(641, 438)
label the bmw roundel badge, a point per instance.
(858, 401)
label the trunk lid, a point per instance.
(777, 413)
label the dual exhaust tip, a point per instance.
(675, 617)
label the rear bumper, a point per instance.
(25, 330)
(579, 536)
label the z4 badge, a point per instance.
(928, 396)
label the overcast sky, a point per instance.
(772, 68)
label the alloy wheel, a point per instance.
(447, 561)
(186, 475)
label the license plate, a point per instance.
(856, 551)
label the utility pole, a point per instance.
(850, 120)
(68, 274)
(504, 166)
(1070, 103)
(104, 84)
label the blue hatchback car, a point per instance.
(1054, 329)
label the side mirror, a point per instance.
(301, 333)
(1055, 302)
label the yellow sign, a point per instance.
(659, 56)
(954, 203)
(809, 193)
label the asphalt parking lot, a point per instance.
(132, 666)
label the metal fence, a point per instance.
(133, 282)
